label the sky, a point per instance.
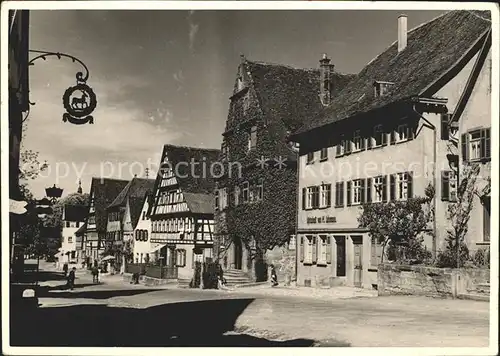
(165, 76)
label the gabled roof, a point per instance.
(105, 191)
(135, 206)
(432, 50)
(75, 212)
(188, 163)
(199, 203)
(287, 94)
(136, 188)
(81, 230)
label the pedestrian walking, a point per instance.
(95, 274)
(71, 278)
(274, 277)
(65, 269)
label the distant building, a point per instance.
(391, 132)
(142, 248)
(72, 219)
(182, 212)
(124, 211)
(103, 191)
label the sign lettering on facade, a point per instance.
(322, 220)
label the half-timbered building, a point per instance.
(182, 211)
(102, 193)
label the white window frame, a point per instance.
(378, 130)
(324, 202)
(323, 154)
(309, 197)
(357, 141)
(402, 186)
(452, 186)
(402, 133)
(217, 199)
(245, 190)
(322, 250)
(223, 198)
(378, 189)
(308, 249)
(260, 190)
(474, 145)
(236, 194)
(356, 192)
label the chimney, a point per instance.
(326, 78)
(402, 32)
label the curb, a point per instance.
(251, 284)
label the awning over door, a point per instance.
(156, 248)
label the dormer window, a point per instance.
(382, 88)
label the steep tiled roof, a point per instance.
(105, 191)
(432, 49)
(289, 94)
(81, 230)
(199, 203)
(75, 212)
(189, 163)
(136, 188)
(136, 204)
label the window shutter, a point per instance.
(445, 185)
(338, 151)
(342, 194)
(302, 249)
(393, 187)
(411, 131)
(487, 144)
(304, 196)
(369, 190)
(393, 137)
(328, 249)
(349, 184)
(465, 147)
(410, 185)
(445, 131)
(384, 189)
(328, 195)
(363, 143)
(362, 190)
(315, 197)
(314, 249)
(348, 146)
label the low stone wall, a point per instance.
(428, 281)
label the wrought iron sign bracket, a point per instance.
(79, 101)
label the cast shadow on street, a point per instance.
(200, 323)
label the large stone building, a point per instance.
(387, 136)
(256, 195)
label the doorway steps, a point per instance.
(237, 277)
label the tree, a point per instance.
(55, 219)
(398, 225)
(456, 253)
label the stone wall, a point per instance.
(428, 281)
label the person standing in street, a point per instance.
(95, 274)
(71, 278)
(274, 277)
